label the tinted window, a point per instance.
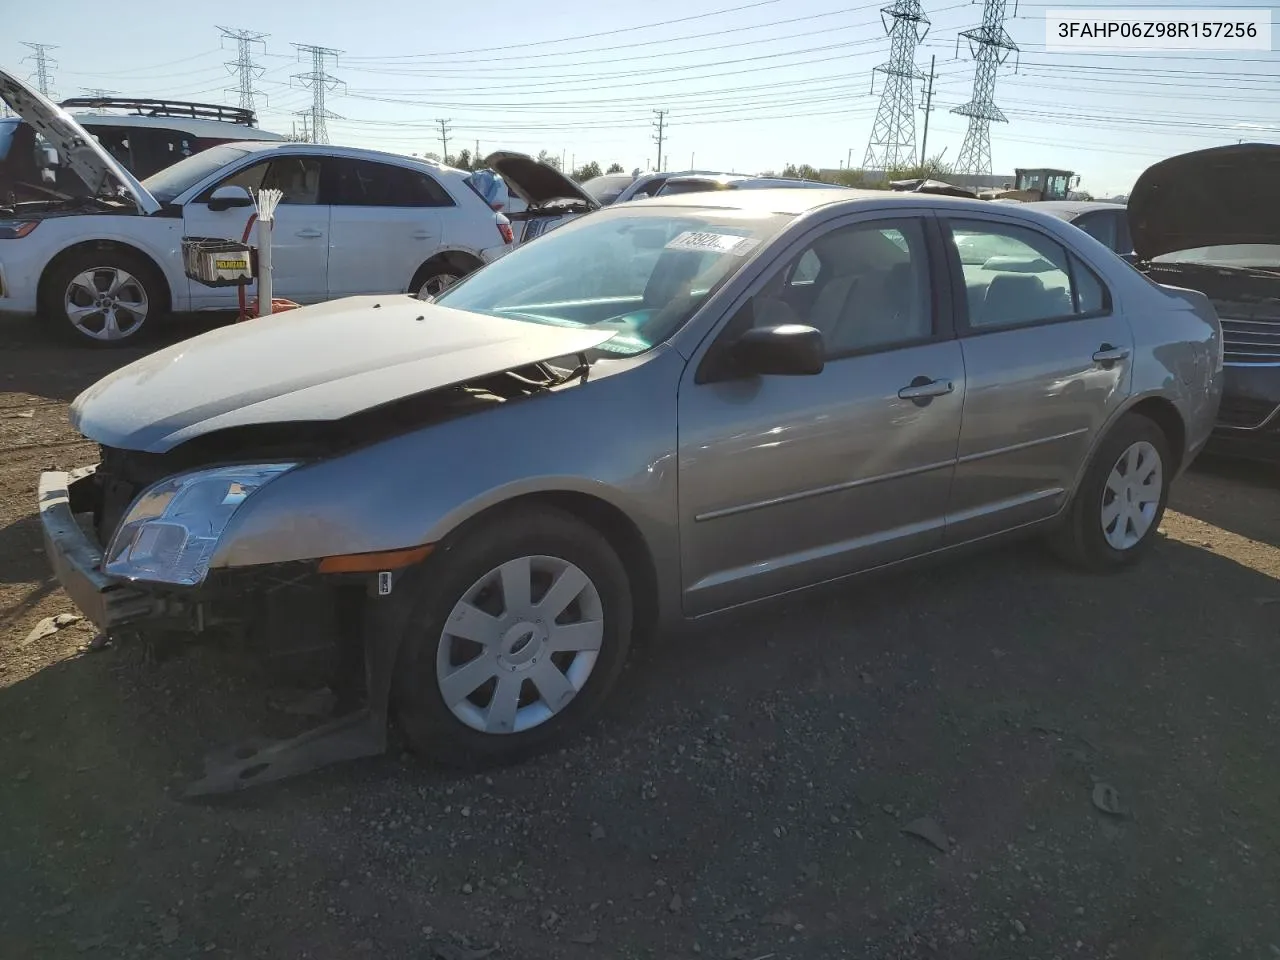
(1015, 276)
(1101, 225)
(155, 148)
(361, 183)
(298, 178)
(863, 287)
(1091, 295)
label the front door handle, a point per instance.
(922, 388)
(309, 234)
(1107, 354)
(422, 235)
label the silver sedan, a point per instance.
(664, 410)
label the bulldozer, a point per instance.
(1035, 184)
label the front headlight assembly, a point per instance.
(171, 531)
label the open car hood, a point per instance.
(535, 182)
(79, 150)
(1222, 195)
(316, 363)
(938, 187)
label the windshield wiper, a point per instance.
(1223, 269)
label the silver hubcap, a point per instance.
(436, 285)
(106, 303)
(520, 644)
(1132, 496)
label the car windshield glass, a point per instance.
(642, 273)
(7, 129)
(172, 181)
(1265, 255)
(606, 189)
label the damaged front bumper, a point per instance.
(66, 507)
(76, 557)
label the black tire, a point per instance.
(446, 269)
(146, 278)
(1080, 539)
(432, 729)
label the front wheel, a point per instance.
(517, 633)
(103, 297)
(1117, 510)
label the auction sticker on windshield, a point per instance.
(704, 242)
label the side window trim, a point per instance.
(961, 301)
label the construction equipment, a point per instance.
(1032, 184)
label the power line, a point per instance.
(320, 82)
(43, 63)
(243, 66)
(98, 93)
(658, 137)
(893, 133)
(993, 46)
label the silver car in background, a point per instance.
(663, 410)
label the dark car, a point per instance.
(1108, 223)
(1208, 221)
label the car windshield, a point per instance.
(607, 188)
(1246, 255)
(642, 273)
(173, 181)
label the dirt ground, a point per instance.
(743, 798)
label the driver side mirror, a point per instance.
(791, 349)
(225, 198)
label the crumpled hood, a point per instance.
(315, 363)
(1222, 195)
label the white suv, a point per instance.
(351, 222)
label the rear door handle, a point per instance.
(1109, 354)
(309, 234)
(422, 235)
(926, 389)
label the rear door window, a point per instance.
(363, 183)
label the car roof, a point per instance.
(354, 153)
(789, 200)
(1067, 209)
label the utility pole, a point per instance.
(320, 82)
(989, 45)
(893, 134)
(477, 155)
(306, 125)
(928, 108)
(444, 139)
(691, 156)
(43, 62)
(243, 66)
(660, 135)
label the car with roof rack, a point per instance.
(102, 263)
(143, 135)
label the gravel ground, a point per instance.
(744, 797)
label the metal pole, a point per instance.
(928, 108)
(264, 268)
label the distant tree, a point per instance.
(614, 168)
(463, 160)
(586, 172)
(431, 156)
(549, 158)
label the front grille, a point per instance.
(1244, 413)
(1251, 341)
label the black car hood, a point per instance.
(536, 183)
(1222, 195)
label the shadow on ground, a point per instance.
(744, 793)
(1235, 495)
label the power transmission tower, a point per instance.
(893, 135)
(98, 93)
(444, 139)
(320, 82)
(660, 135)
(927, 107)
(989, 45)
(243, 66)
(305, 137)
(43, 62)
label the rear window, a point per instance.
(606, 189)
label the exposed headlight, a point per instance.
(171, 531)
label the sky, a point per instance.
(747, 85)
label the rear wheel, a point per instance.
(103, 297)
(1117, 511)
(440, 273)
(517, 633)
